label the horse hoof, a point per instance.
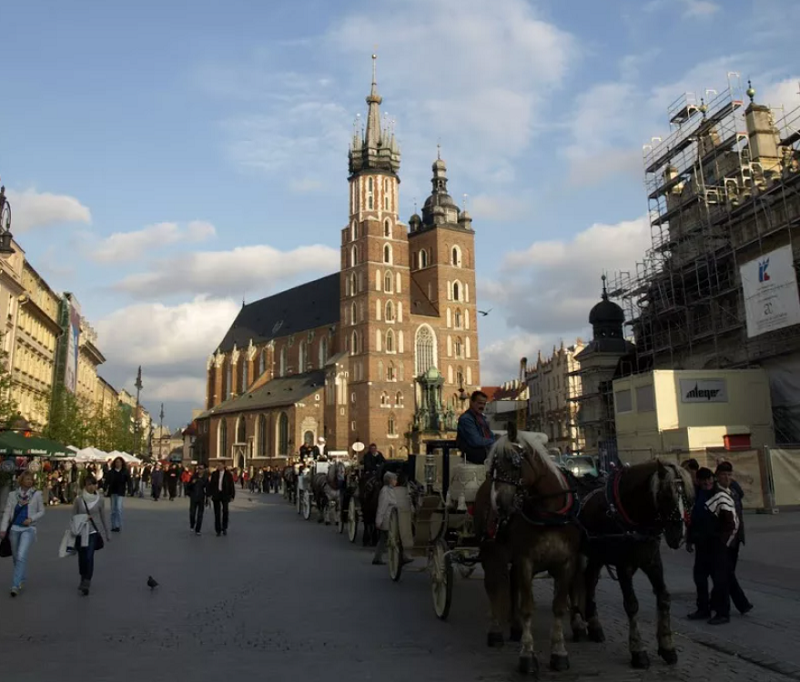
(528, 665)
(558, 663)
(515, 635)
(495, 640)
(580, 634)
(596, 634)
(670, 656)
(640, 660)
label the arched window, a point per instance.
(387, 253)
(354, 256)
(457, 318)
(222, 438)
(459, 347)
(390, 341)
(456, 256)
(370, 187)
(423, 259)
(282, 365)
(241, 430)
(353, 284)
(391, 373)
(353, 313)
(387, 282)
(459, 376)
(424, 350)
(391, 425)
(354, 343)
(389, 311)
(354, 231)
(387, 228)
(283, 434)
(228, 379)
(262, 436)
(398, 399)
(323, 352)
(456, 291)
(386, 202)
(302, 357)
(262, 362)
(384, 399)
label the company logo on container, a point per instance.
(763, 275)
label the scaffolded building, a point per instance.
(723, 190)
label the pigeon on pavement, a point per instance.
(151, 583)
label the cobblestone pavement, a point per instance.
(284, 599)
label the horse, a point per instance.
(289, 476)
(624, 520)
(336, 479)
(523, 516)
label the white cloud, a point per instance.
(694, 9)
(246, 269)
(179, 389)
(128, 246)
(500, 359)
(40, 209)
(498, 207)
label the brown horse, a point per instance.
(522, 512)
(289, 476)
(624, 520)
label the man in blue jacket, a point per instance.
(474, 437)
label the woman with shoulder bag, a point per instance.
(94, 531)
(24, 508)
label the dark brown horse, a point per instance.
(521, 512)
(289, 476)
(624, 520)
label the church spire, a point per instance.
(373, 137)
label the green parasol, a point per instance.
(12, 443)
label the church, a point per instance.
(384, 351)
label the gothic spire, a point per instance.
(374, 113)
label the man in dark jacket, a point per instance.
(157, 480)
(116, 486)
(222, 490)
(474, 437)
(726, 482)
(373, 459)
(197, 490)
(713, 528)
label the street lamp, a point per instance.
(5, 223)
(136, 416)
(161, 432)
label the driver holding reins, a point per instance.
(474, 437)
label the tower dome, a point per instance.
(607, 318)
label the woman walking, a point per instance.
(93, 530)
(24, 508)
(117, 484)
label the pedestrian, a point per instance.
(93, 530)
(157, 481)
(243, 479)
(146, 472)
(730, 486)
(712, 529)
(373, 460)
(222, 491)
(172, 481)
(386, 502)
(24, 507)
(117, 484)
(197, 492)
(186, 479)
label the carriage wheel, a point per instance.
(305, 503)
(441, 569)
(465, 571)
(395, 547)
(352, 520)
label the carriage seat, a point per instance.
(465, 479)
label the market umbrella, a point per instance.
(91, 454)
(51, 447)
(13, 443)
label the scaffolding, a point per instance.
(722, 188)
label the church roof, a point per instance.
(304, 307)
(276, 393)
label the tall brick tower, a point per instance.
(374, 286)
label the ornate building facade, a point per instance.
(381, 351)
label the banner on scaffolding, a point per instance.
(769, 285)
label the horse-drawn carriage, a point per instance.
(321, 485)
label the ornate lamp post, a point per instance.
(161, 432)
(136, 418)
(5, 224)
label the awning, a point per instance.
(13, 443)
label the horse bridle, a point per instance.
(522, 493)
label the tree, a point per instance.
(8, 406)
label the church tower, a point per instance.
(374, 286)
(442, 257)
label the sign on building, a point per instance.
(703, 391)
(769, 285)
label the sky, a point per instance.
(166, 160)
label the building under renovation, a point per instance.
(718, 288)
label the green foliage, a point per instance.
(8, 406)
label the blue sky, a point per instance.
(166, 159)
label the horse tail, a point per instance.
(511, 428)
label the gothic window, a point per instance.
(354, 256)
(392, 425)
(386, 202)
(262, 362)
(391, 374)
(323, 352)
(262, 436)
(353, 284)
(459, 376)
(386, 185)
(228, 380)
(389, 311)
(459, 347)
(398, 399)
(353, 313)
(222, 438)
(387, 254)
(387, 282)
(302, 357)
(354, 344)
(390, 341)
(354, 231)
(456, 291)
(369, 202)
(241, 430)
(457, 319)
(370, 189)
(282, 365)
(424, 350)
(384, 399)
(456, 257)
(391, 452)
(283, 434)
(423, 259)
(387, 228)
(370, 185)
(243, 378)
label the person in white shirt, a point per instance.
(24, 508)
